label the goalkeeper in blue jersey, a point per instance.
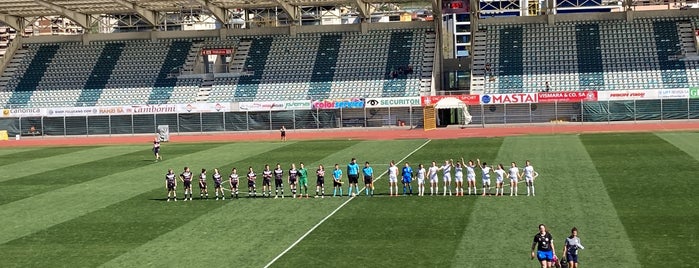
(407, 173)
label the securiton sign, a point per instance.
(510, 98)
(392, 102)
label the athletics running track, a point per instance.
(369, 133)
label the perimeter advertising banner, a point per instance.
(467, 99)
(392, 102)
(513, 98)
(576, 96)
(22, 112)
(259, 106)
(353, 103)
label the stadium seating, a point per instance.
(382, 63)
(583, 56)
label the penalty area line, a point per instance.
(333, 213)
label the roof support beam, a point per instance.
(17, 23)
(364, 8)
(147, 15)
(291, 10)
(81, 19)
(218, 12)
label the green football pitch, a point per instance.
(632, 197)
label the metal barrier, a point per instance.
(482, 115)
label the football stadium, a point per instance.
(345, 133)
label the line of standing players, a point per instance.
(298, 178)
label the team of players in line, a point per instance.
(298, 178)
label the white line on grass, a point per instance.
(335, 211)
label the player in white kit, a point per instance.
(514, 177)
(421, 180)
(500, 174)
(529, 175)
(446, 173)
(432, 175)
(485, 177)
(470, 176)
(393, 178)
(458, 178)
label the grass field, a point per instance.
(632, 196)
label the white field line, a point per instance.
(335, 211)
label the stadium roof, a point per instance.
(12, 12)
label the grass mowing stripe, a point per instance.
(569, 192)
(14, 150)
(652, 184)
(17, 161)
(368, 230)
(263, 230)
(33, 214)
(334, 211)
(60, 159)
(685, 141)
(91, 239)
(38, 183)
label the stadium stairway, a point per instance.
(510, 65)
(256, 62)
(324, 66)
(589, 57)
(99, 77)
(399, 51)
(667, 40)
(164, 83)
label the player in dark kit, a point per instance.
(233, 183)
(186, 178)
(320, 181)
(203, 190)
(252, 190)
(267, 182)
(156, 149)
(278, 181)
(171, 184)
(218, 180)
(543, 242)
(293, 177)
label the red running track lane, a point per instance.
(367, 133)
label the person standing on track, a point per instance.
(282, 132)
(303, 180)
(156, 149)
(543, 243)
(203, 190)
(529, 175)
(353, 176)
(368, 179)
(233, 182)
(337, 180)
(266, 182)
(218, 180)
(320, 181)
(570, 249)
(278, 181)
(186, 178)
(171, 185)
(432, 174)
